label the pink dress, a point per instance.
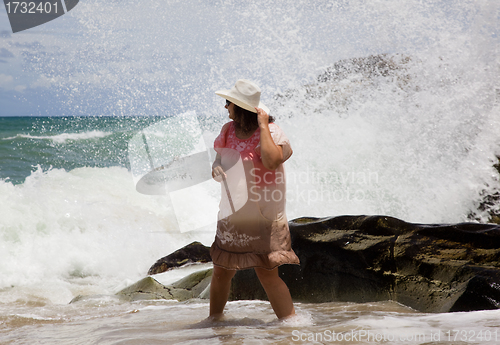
(252, 228)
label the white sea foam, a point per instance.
(63, 230)
(64, 137)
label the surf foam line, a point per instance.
(62, 138)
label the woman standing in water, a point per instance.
(252, 228)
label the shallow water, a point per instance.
(106, 321)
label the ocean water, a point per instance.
(416, 140)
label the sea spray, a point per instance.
(425, 123)
(419, 133)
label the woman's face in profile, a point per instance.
(230, 109)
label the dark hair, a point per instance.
(245, 119)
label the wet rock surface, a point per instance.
(429, 267)
(194, 252)
(195, 285)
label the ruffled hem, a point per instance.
(241, 261)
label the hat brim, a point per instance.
(226, 94)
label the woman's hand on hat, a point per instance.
(262, 117)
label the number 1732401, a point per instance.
(471, 335)
(25, 7)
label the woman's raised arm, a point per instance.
(271, 154)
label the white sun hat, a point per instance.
(245, 94)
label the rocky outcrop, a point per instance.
(339, 87)
(488, 206)
(192, 253)
(432, 268)
(195, 285)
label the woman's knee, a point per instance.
(268, 277)
(222, 274)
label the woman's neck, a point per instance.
(242, 134)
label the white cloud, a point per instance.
(7, 83)
(20, 88)
(6, 80)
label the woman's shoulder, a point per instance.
(220, 141)
(226, 126)
(280, 138)
(275, 129)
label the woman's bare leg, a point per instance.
(219, 290)
(276, 291)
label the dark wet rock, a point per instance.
(191, 253)
(340, 85)
(432, 268)
(488, 205)
(372, 66)
(429, 267)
